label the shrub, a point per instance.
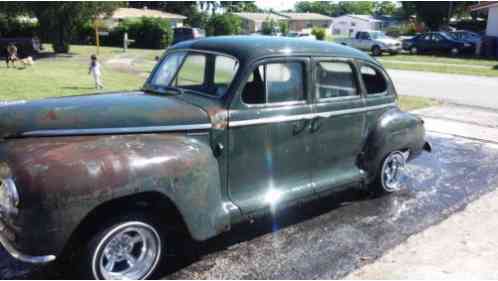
(226, 24)
(284, 27)
(393, 31)
(268, 27)
(319, 33)
(61, 47)
(151, 33)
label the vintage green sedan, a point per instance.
(225, 130)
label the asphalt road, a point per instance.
(461, 89)
(332, 237)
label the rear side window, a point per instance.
(335, 80)
(374, 80)
(275, 83)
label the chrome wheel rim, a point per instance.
(129, 251)
(454, 51)
(392, 171)
(413, 50)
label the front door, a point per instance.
(339, 126)
(269, 143)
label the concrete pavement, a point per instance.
(461, 89)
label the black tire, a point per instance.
(379, 186)
(376, 51)
(92, 254)
(454, 52)
(414, 50)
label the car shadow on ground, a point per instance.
(495, 67)
(193, 251)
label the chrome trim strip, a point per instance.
(22, 257)
(126, 130)
(285, 118)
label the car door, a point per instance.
(269, 144)
(338, 128)
(425, 42)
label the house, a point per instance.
(299, 22)
(253, 22)
(347, 25)
(491, 8)
(121, 14)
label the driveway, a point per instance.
(461, 89)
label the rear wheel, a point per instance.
(413, 50)
(390, 176)
(127, 247)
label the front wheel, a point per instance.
(413, 50)
(376, 51)
(128, 247)
(391, 174)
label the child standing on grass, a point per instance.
(94, 70)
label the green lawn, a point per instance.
(64, 75)
(439, 59)
(408, 103)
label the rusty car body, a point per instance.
(225, 129)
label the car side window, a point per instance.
(275, 83)
(335, 80)
(374, 80)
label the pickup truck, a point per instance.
(375, 41)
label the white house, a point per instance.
(347, 25)
(491, 7)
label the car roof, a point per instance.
(248, 48)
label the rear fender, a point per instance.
(394, 130)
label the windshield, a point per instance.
(196, 72)
(378, 35)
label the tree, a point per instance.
(58, 20)
(319, 7)
(225, 24)
(239, 6)
(356, 7)
(385, 8)
(435, 13)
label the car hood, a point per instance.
(100, 114)
(388, 41)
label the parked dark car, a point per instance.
(225, 130)
(437, 42)
(187, 33)
(466, 36)
(26, 46)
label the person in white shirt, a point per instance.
(96, 73)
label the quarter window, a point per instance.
(275, 83)
(335, 80)
(374, 80)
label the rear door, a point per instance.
(338, 128)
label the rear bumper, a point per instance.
(6, 238)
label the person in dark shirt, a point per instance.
(11, 55)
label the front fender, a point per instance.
(63, 179)
(394, 130)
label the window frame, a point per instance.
(351, 63)
(305, 65)
(233, 83)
